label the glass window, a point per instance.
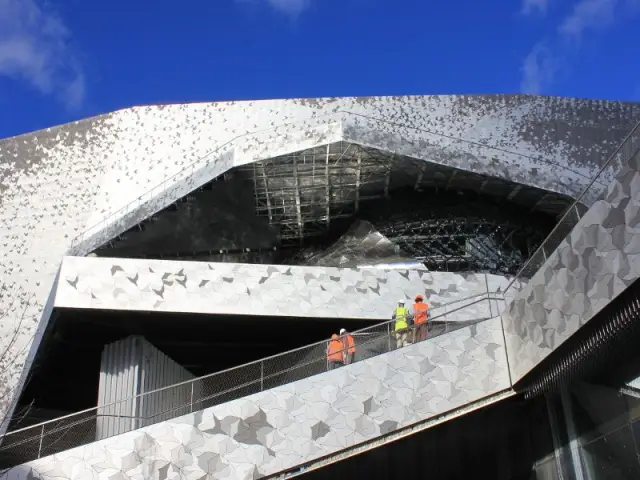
(547, 469)
(612, 456)
(597, 411)
(633, 406)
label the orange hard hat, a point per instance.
(334, 336)
(419, 297)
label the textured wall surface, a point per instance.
(73, 187)
(271, 290)
(289, 425)
(128, 368)
(595, 263)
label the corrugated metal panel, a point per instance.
(118, 381)
(159, 371)
(133, 366)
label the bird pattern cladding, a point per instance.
(278, 429)
(69, 189)
(598, 260)
(263, 290)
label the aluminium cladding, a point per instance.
(69, 189)
(275, 430)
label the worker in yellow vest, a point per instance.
(401, 325)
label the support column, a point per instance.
(574, 445)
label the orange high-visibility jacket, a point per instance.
(334, 351)
(420, 312)
(349, 343)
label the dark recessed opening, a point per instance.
(65, 375)
(289, 209)
(506, 441)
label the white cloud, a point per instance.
(34, 46)
(587, 14)
(540, 67)
(538, 70)
(531, 6)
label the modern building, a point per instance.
(170, 276)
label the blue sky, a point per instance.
(61, 60)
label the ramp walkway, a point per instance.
(291, 400)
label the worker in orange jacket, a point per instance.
(349, 344)
(335, 352)
(420, 314)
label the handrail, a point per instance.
(251, 382)
(574, 205)
(480, 297)
(271, 375)
(74, 434)
(80, 237)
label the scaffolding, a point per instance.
(304, 200)
(469, 243)
(302, 193)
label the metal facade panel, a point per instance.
(119, 380)
(130, 367)
(268, 290)
(277, 429)
(598, 260)
(73, 187)
(158, 370)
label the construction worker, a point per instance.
(401, 326)
(420, 315)
(335, 352)
(349, 345)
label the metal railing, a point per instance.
(594, 191)
(203, 161)
(159, 405)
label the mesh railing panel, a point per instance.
(204, 392)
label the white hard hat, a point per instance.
(401, 300)
(342, 330)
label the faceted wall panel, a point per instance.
(67, 190)
(278, 429)
(595, 263)
(266, 290)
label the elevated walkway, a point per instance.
(586, 262)
(270, 416)
(573, 302)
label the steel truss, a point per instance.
(457, 243)
(312, 196)
(303, 192)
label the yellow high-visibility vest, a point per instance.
(401, 318)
